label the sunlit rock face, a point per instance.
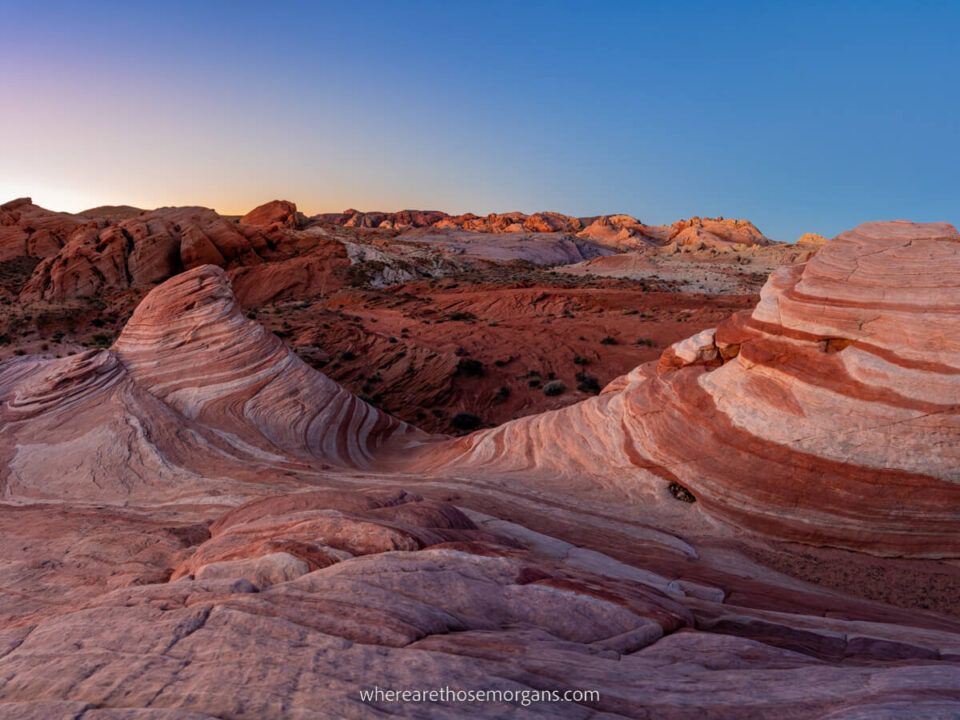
(273, 215)
(714, 231)
(828, 414)
(28, 230)
(141, 251)
(196, 524)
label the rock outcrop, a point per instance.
(716, 231)
(190, 388)
(273, 215)
(142, 251)
(623, 231)
(29, 230)
(811, 240)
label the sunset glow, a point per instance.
(661, 110)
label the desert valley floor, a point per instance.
(253, 466)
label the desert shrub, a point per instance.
(580, 360)
(461, 316)
(554, 387)
(608, 340)
(470, 367)
(465, 421)
(588, 384)
(348, 355)
(102, 340)
(534, 382)
(503, 393)
(646, 342)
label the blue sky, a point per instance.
(809, 116)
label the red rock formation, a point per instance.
(115, 213)
(834, 420)
(619, 231)
(708, 231)
(27, 229)
(142, 251)
(383, 220)
(189, 376)
(117, 248)
(273, 215)
(195, 524)
(623, 231)
(811, 240)
(318, 272)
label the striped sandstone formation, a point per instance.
(195, 524)
(830, 414)
(190, 389)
